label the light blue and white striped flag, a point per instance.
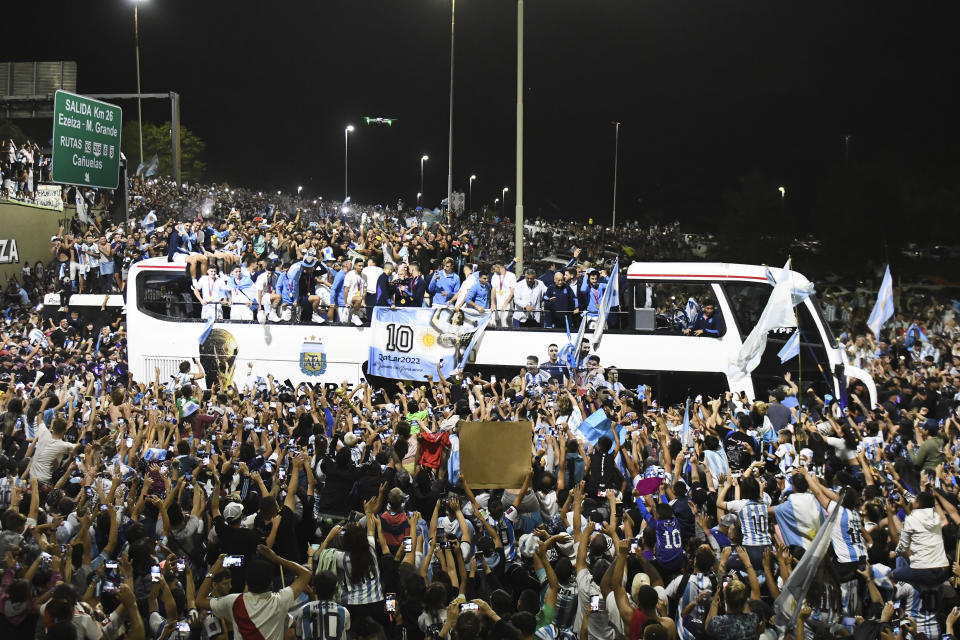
(883, 309)
(686, 432)
(787, 606)
(791, 349)
(610, 294)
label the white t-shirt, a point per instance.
(47, 454)
(371, 273)
(501, 286)
(260, 613)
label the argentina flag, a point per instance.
(791, 349)
(883, 309)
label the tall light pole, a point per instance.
(503, 194)
(616, 162)
(423, 159)
(783, 197)
(418, 197)
(470, 201)
(518, 222)
(453, 11)
(346, 147)
(136, 44)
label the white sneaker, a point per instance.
(272, 316)
(262, 316)
(286, 313)
(356, 320)
(317, 318)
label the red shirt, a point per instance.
(431, 448)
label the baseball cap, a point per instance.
(232, 512)
(350, 439)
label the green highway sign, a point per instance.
(86, 141)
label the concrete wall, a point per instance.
(25, 235)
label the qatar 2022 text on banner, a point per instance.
(408, 344)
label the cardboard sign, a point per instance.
(495, 455)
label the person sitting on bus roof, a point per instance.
(709, 322)
(320, 299)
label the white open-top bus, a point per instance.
(644, 341)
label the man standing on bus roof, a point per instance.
(337, 274)
(411, 292)
(444, 285)
(266, 284)
(243, 296)
(528, 300)
(478, 297)
(502, 284)
(709, 322)
(591, 295)
(206, 291)
(561, 302)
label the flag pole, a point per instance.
(796, 317)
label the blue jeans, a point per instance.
(903, 572)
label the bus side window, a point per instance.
(167, 295)
(679, 308)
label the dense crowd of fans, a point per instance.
(135, 509)
(22, 168)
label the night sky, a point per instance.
(706, 92)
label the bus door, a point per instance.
(810, 368)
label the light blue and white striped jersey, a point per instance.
(552, 632)
(921, 606)
(368, 590)
(847, 536)
(320, 620)
(754, 522)
(697, 584)
(717, 463)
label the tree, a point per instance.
(9, 130)
(156, 141)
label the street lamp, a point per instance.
(470, 203)
(299, 189)
(346, 145)
(503, 205)
(419, 194)
(423, 159)
(136, 41)
(783, 192)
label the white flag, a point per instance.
(777, 314)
